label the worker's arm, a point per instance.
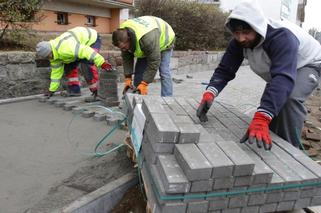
(282, 49)
(228, 66)
(149, 44)
(57, 71)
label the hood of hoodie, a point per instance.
(250, 12)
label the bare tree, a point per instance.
(18, 14)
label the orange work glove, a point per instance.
(143, 88)
(128, 85)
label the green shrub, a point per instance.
(197, 26)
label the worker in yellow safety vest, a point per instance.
(149, 39)
(78, 47)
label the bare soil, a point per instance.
(312, 131)
(134, 201)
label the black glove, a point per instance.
(48, 94)
(94, 93)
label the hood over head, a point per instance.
(250, 12)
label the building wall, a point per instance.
(48, 23)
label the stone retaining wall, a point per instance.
(21, 74)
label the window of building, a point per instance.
(91, 21)
(62, 18)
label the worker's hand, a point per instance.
(94, 92)
(206, 103)
(106, 66)
(48, 94)
(128, 85)
(142, 88)
(258, 131)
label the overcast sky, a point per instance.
(312, 15)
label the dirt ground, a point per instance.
(134, 201)
(312, 132)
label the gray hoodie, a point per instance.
(284, 47)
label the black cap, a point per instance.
(236, 24)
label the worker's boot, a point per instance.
(72, 91)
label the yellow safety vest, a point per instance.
(145, 24)
(69, 47)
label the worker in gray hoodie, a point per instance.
(281, 53)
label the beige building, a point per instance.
(101, 15)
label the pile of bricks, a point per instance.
(188, 166)
(108, 92)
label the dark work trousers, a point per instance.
(289, 122)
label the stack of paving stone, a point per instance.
(188, 166)
(108, 92)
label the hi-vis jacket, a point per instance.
(284, 47)
(149, 37)
(145, 24)
(69, 47)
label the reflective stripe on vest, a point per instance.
(56, 66)
(55, 80)
(91, 59)
(89, 35)
(73, 79)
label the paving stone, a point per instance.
(167, 148)
(291, 195)
(262, 173)
(87, 113)
(244, 165)
(99, 117)
(162, 129)
(148, 152)
(222, 165)
(197, 207)
(250, 209)
(271, 207)
(238, 201)
(243, 181)
(285, 206)
(178, 207)
(172, 175)
(202, 185)
(159, 188)
(273, 197)
(181, 119)
(316, 201)
(188, 133)
(219, 203)
(256, 199)
(152, 105)
(302, 203)
(300, 170)
(235, 210)
(223, 183)
(193, 162)
(175, 107)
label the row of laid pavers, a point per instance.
(209, 172)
